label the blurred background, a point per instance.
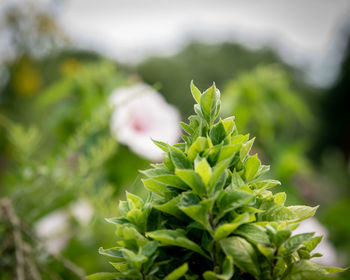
(84, 84)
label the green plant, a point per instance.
(210, 213)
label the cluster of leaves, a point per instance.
(210, 213)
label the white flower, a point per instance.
(140, 114)
(82, 211)
(52, 230)
(328, 251)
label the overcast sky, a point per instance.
(305, 32)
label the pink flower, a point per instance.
(140, 114)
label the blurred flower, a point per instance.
(141, 113)
(329, 253)
(52, 230)
(82, 211)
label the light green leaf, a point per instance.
(103, 276)
(227, 271)
(177, 273)
(120, 266)
(218, 171)
(252, 165)
(252, 233)
(179, 158)
(229, 124)
(242, 253)
(217, 133)
(280, 198)
(226, 229)
(164, 146)
(306, 270)
(199, 213)
(203, 168)
(171, 208)
(331, 269)
(228, 151)
(175, 238)
(156, 187)
(246, 147)
(164, 176)
(114, 253)
(295, 242)
(303, 212)
(197, 147)
(192, 179)
(239, 139)
(228, 201)
(311, 244)
(196, 92)
(149, 248)
(209, 102)
(134, 201)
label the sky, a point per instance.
(306, 33)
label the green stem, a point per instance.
(211, 221)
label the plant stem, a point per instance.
(143, 275)
(9, 212)
(214, 245)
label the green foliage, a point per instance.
(61, 154)
(210, 213)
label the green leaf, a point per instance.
(266, 184)
(306, 270)
(303, 212)
(226, 229)
(120, 266)
(281, 236)
(149, 248)
(331, 269)
(187, 128)
(209, 103)
(246, 148)
(239, 139)
(197, 147)
(217, 133)
(103, 276)
(280, 198)
(199, 212)
(177, 273)
(229, 124)
(134, 201)
(196, 92)
(252, 233)
(311, 244)
(179, 158)
(227, 271)
(192, 179)
(203, 168)
(228, 151)
(295, 242)
(175, 238)
(252, 165)
(156, 187)
(171, 208)
(164, 176)
(218, 171)
(164, 146)
(242, 253)
(114, 253)
(228, 201)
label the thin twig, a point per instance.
(9, 212)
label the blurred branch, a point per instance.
(11, 216)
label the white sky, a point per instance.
(305, 32)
